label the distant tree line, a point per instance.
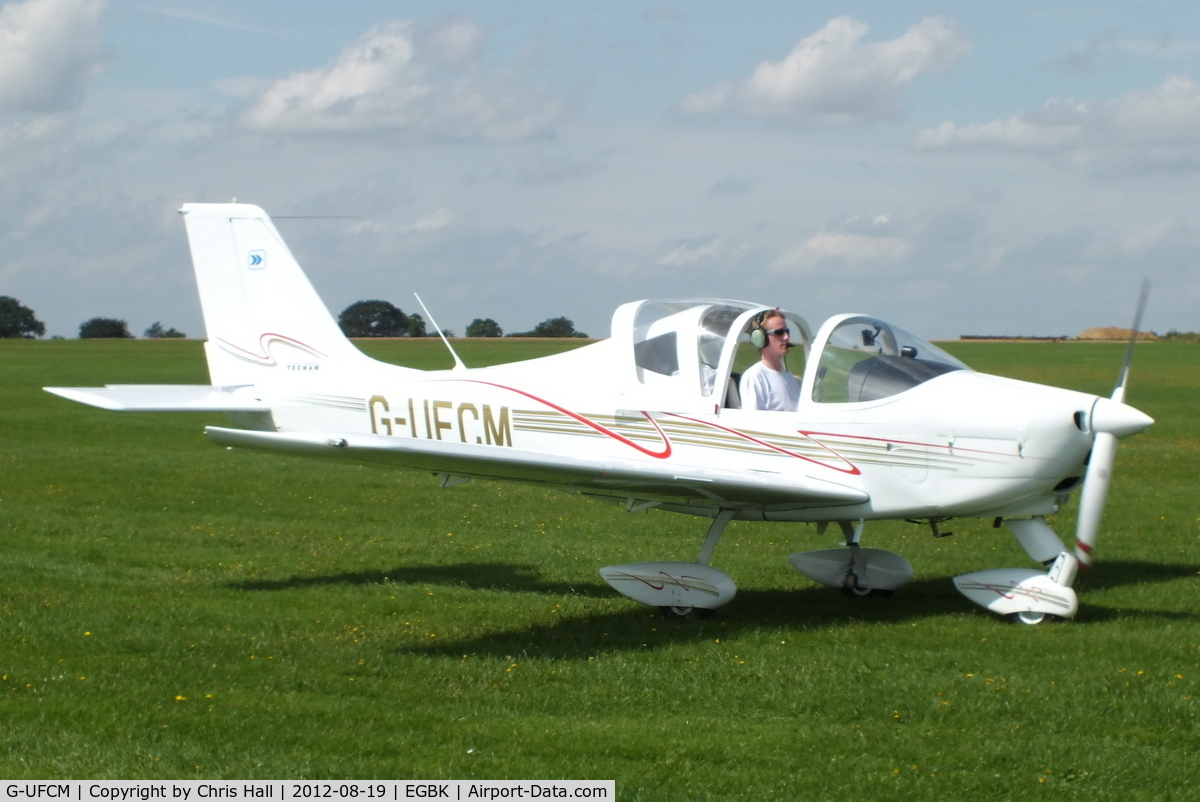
(554, 327)
(359, 319)
(19, 321)
(383, 319)
(156, 332)
(108, 328)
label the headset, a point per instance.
(758, 335)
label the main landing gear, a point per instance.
(679, 587)
(684, 588)
(857, 571)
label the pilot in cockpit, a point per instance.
(767, 384)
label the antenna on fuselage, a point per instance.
(458, 363)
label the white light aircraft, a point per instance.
(888, 427)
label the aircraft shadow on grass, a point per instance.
(472, 576)
(1111, 574)
(636, 628)
(1114, 574)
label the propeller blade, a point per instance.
(1119, 393)
(1111, 419)
(1093, 495)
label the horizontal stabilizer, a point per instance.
(165, 398)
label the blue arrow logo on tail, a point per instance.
(258, 259)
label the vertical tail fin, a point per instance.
(264, 320)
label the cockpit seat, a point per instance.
(733, 396)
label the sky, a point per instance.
(955, 168)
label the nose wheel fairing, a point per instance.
(1028, 595)
(1024, 593)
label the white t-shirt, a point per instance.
(764, 388)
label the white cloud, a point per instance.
(48, 50)
(844, 249)
(1152, 239)
(1157, 127)
(731, 185)
(1165, 47)
(1024, 132)
(1106, 51)
(420, 84)
(392, 229)
(686, 253)
(435, 220)
(36, 130)
(194, 15)
(832, 76)
(544, 168)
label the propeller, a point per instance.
(1111, 420)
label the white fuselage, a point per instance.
(961, 444)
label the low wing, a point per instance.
(616, 478)
(164, 398)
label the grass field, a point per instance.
(175, 610)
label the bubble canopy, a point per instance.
(687, 349)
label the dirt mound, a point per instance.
(1113, 333)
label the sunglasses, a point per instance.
(778, 332)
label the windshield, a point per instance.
(865, 359)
